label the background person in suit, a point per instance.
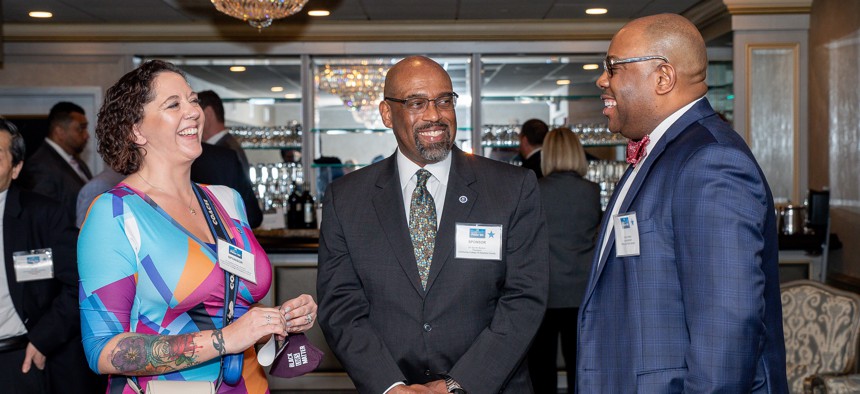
(397, 325)
(214, 166)
(40, 339)
(214, 131)
(220, 166)
(572, 206)
(694, 305)
(55, 169)
(532, 133)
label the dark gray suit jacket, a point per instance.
(477, 317)
(572, 206)
(48, 307)
(47, 173)
(229, 141)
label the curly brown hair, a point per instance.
(122, 109)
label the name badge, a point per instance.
(626, 234)
(235, 260)
(479, 241)
(32, 265)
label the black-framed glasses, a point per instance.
(609, 63)
(418, 105)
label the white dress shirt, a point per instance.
(68, 158)
(437, 184)
(10, 323)
(654, 138)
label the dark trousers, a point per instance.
(65, 372)
(542, 356)
(13, 381)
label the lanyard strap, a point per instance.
(219, 232)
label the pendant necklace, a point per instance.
(190, 209)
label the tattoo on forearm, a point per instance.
(155, 354)
(218, 342)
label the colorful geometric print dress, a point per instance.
(141, 271)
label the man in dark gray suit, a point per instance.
(214, 130)
(55, 169)
(411, 301)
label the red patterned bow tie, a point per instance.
(636, 150)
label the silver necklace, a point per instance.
(190, 209)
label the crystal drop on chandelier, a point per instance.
(259, 13)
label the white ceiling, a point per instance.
(502, 76)
(184, 11)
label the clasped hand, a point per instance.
(293, 316)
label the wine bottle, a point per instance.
(294, 209)
(309, 217)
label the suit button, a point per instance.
(427, 327)
(427, 372)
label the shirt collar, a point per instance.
(67, 157)
(217, 137)
(407, 168)
(665, 124)
(3, 195)
(535, 150)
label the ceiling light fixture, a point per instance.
(596, 11)
(40, 14)
(290, 96)
(319, 13)
(277, 89)
(237, 69)
(562, 82)
(359, 86)
(259, 13)
(591, 66)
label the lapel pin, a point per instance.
(463, 199)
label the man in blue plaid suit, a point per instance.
(684, 291)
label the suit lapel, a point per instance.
(389, 206)
(62, 163)
(698, 111)
(600, 257)
(459, 200)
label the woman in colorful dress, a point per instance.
(151, 251)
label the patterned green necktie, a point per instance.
(422, 225)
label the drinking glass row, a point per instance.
(274, 181)
(589, 134)
(288, 136)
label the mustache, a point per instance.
(431, 125)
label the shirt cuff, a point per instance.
(392, 386)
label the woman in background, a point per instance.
(572, 207)
(152, 284)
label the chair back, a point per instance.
(822, 328)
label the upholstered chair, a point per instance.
(822, 327)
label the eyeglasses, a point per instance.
(418, 105)
(610, 63)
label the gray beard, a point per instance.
(435, 152)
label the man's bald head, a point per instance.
(679, 40)
(407, 69)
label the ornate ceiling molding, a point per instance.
(760, 7)
(467, 30)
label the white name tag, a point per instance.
(479, 241)
(626, 234)
(33, 265)
(234, 260)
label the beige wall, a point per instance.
(834, 116)
(62, 71)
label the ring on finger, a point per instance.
(268, 319)
(309, 318)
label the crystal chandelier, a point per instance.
(259, 13)
(359, 86)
